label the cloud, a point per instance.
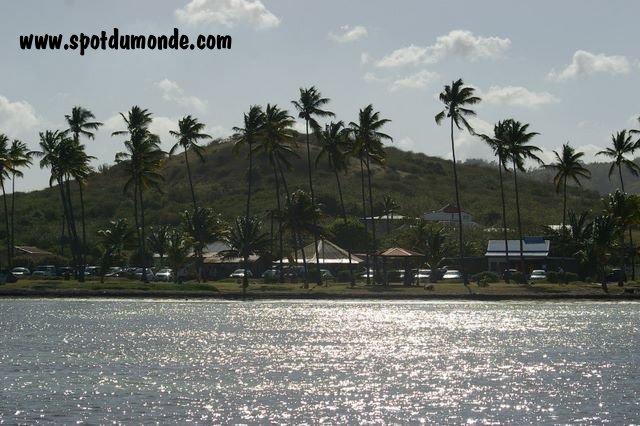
(419, 80)
(228, 13)
(406, 144)
(517, 96)
(370, 77)
(457, 43)
(16, 117)
(364, 58)
(172, 92)
(589, 150)
(469, 146)
(463, 43)
(587, 63)
(348, 34)
(409, 55)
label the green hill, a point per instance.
(417, 182)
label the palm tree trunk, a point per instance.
(13, 205)
(275, 175)
(633, 266)
(620, 174)
(84, 230)
(193, 193)
(65, 214)
(313, 204)
(504, 222)
(522, 262)
(73, 233)
(455, 182)
(344, 218)
(142, 236)
(62, 235)
(373, 222)
(250, 182)
(6, 222)
(364, 214)
(564, 209)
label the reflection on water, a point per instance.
(65, 361)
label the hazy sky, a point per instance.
(569, 68)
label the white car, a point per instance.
(164, 275)
(20, 271)
(239, 273)
(452, 274)
(538, 274)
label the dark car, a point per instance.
(617, 275)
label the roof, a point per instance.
(449, 209)
(531, 247)
(329, 253)
(32, 250)
(384, 217)
(400, 252)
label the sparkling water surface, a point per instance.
(284, 362)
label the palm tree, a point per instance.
(80, 123)
(188, 134)
(179, 245)
(158, 241)
(20, 157)
(142, 159)
(389, 207)
(334, 144)
(300, 217)
(456, 97)
(249, 134)
(603, 234)
(114, 239)
(623, 145)
(499, 147)
(430, 240)
(245, 239)
(310, 106)
(203, 226)
(624, 208)
(277, 144)
(568, 166)
(518, 138)
(5, 170)
(368, 146)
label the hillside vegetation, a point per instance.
(417, 182)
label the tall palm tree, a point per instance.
(456, 98)
(245, 239)
(430, 240)
(568, 166)
(21, 157)
(276, 143)
(310, 106)
(368, 146)
(334, 144)
(499, 147)
(114, 239)
(179, 245)
(190, 132)
(81, 124)
(625, 209)
(142, 159)
(389, 208)
(249, 134)
(518, 138)
(623, 146)
(603, 234)
(5, 170)
(203, 226)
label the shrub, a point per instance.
(344, 276)
(552, 277)
(489, 277)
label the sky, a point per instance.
(569, 68)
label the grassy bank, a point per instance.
(231, 289)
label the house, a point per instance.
(31, 252)
(535, 251)
(330, 254)
(386, 223)
(448, 215)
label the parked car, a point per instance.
(239, 273)
(91, 271)
(65, 271)
(114, 271)
(20, 271)
(271, 274)
(364, 274)
(509, 272)
(326, 274)
(44, 271)
(616, 275)
(452, 274)
(164, 275)
(538, 274)
(138, 274)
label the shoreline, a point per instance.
(176, 295)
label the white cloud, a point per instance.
(370, 77)
(587, 63)
(171, 91)
(348, 34)
(364, 58)
(589, 150)
(406, 144)
(419, 80)
(469, 146)
(228, 13)
(16, 117)
(464, 43)
(517, 96)
(457, 43)
(409, 55)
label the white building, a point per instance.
(449, 215)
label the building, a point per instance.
(448, 215)
(534, 249)
(386, 223)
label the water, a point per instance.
(170, 362)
